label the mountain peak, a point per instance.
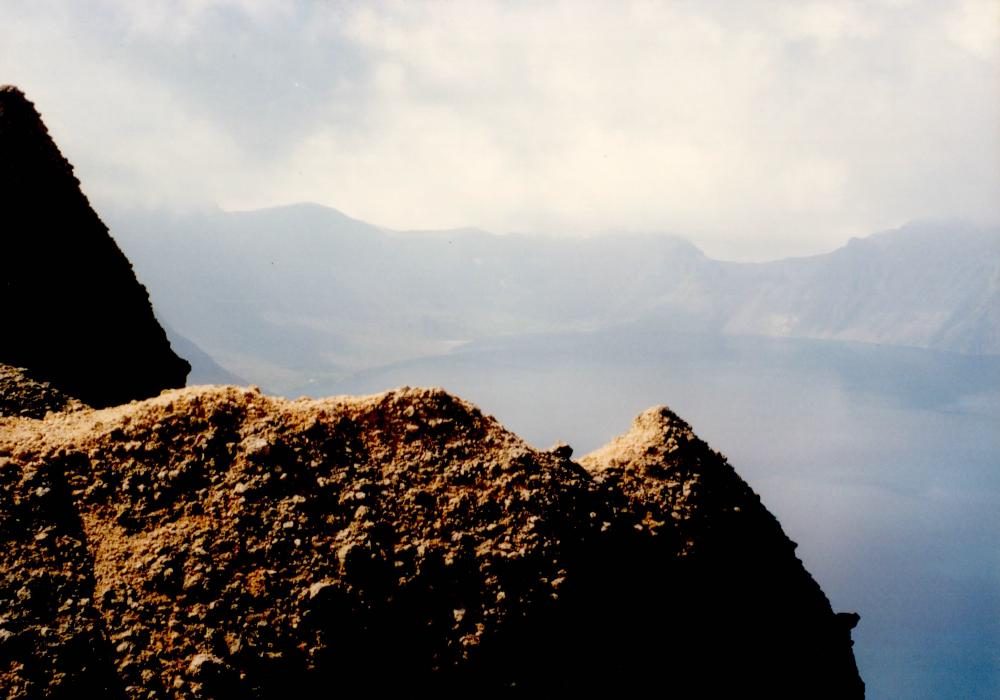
(73, 312)
(25, 144)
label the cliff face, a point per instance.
(214, 542)
(73, 313)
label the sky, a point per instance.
(756, 129)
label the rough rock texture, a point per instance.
(20, 395)
(736, 564)
(214, 542)
(52, 640)
(73, 313)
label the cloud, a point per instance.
(759, 129)
(827, 23)
(975, 27)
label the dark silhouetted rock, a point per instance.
(247, 546)
(71, 309)
(749, 599)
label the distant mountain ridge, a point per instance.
(923, 285)
(286, 295)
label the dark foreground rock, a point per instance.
(20, 395)
(71, 310)
(214, 542)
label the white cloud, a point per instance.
(976, 27)
(827, 23)
(185, 20)
(130, 139)
(758, 129)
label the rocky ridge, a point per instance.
(74, 314)
(215, 542)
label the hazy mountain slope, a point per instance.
(294, 294)
(204, 370)
(924, 285)
(291, 296)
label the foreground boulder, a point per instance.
(214, 542)
(73, 313)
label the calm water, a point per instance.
(883, 463)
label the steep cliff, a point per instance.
(214, 542)
(73, 313)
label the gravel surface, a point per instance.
(20, 395)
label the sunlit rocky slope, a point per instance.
(214, 542)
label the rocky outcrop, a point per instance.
(73, 313)
(215, 542)
(20, 395)
(747, 597)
